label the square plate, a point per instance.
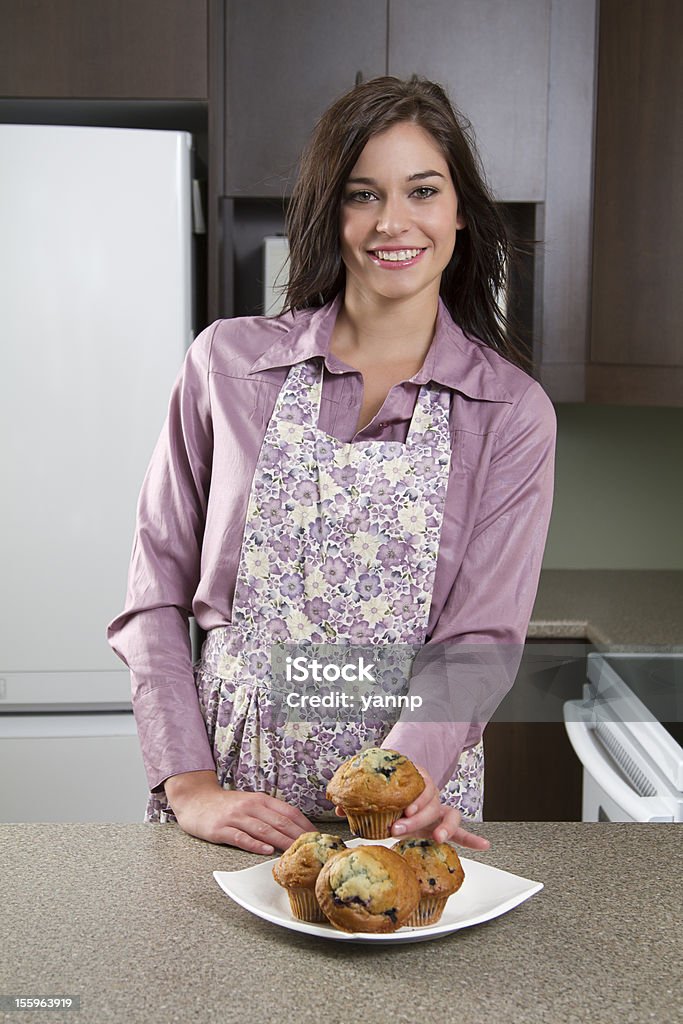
(487, 892)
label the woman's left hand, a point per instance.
(429, 818)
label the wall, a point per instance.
(618, 489)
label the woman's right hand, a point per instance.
(251, 821)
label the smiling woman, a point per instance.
(397, 237)
(394, 223)
(351, 159)
(372, 467)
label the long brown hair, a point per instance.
(483, 251)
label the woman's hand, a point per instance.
(428, 817)
(251, 821)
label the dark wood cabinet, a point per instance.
(636, 348)
(531, 770)
(564, 221)
(110, 49)
(284, 65)
(516, 70)
(598, 192)
(493, 59)
(531, 773)
(523, 73)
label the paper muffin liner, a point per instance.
(304, 905)
(372, 825)
(428, 911)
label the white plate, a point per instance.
(486, 893)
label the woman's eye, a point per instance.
(424, 192)
(361, 197)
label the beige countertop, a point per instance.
(129, 918)
(612, 608)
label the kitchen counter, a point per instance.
(618, 609)
(129, 918)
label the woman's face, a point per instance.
(399, 216)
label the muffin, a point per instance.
(298, 868)
(374, 788)
(367, 889)
(439, 872)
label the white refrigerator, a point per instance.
(96, 314)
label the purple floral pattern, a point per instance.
(340, 547)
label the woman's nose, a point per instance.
(393, 218)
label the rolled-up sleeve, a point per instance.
(151, 635)
(461, 681)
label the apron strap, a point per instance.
(303, 389)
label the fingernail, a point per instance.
(268, 849)
(441, 835)
(399, 830)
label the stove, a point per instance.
(628, 733)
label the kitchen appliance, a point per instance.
(628, 734)
(95, 317)
(275, 273)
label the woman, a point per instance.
(369, 468)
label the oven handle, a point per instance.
(639, 808)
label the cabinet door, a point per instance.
(492, 57)
(285, 63)
(636, 347)
(111, 49)
(532, 772)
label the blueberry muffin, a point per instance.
(439, 872)
(367, 889)
(298, 868)
(374, 788)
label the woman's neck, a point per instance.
(398, 331)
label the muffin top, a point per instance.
(300, 865)
(367, 889)
(436, 866)
(375, 780)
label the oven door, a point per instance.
(620, 783)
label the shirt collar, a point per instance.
(452, 360)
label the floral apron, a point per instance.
(340, 547)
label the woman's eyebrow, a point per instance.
(420, 176)
(425, 174)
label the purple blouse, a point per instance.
(193, 503)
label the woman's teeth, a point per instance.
(396, 255)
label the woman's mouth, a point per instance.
(394, 259)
